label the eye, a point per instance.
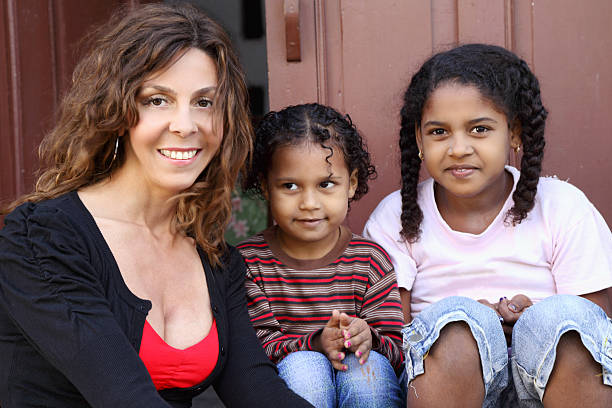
(204, 103)
(437, 132)
(155, 101)
(327, 184)
(480, 129)
(290, 186)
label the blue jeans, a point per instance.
(311, 375)
(534, 341)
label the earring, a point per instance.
(421, 155)
(116, 149)
(517, 148)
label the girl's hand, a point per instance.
(357, 336)
(331, 342)
(509, 312)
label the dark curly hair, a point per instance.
(505, 80)
(309, 122)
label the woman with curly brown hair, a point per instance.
(116, 287)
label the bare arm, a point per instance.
(405, 298)
(600, 298)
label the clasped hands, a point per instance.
(344, 333)
(509, 312)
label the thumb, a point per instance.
(519, 303)
(334, 320)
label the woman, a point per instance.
(114, 276)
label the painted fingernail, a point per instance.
(347, 344)
(361, 362)
(344, 368)
(340, 356)
(347, 334)
(501, 298)
(512, 307)
(358, 353)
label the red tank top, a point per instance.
(174, 368)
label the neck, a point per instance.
(307, 250)
(473, 214)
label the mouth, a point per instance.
(310, 221)
(176, 154)
(461, 170)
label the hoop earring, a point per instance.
(115, 153)
(421, 155)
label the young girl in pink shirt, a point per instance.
(482, 249)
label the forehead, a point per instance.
(192, 67)
(307, 159)
(450, 98)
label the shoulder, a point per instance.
(389, 209)
(54, 215)
(253, 246)
(561, 197)
(363, 247)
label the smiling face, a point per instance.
(465, 141)
(174, 139)
(308, 197)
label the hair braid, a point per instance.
(532, 116)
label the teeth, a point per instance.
(173, 154)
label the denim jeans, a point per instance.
(311, 375)
(534, 341)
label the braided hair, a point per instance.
(509, 84)
(312, 122)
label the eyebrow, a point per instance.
(476, 120)
(170, 91)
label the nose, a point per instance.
(460, 145)
(182, 122)
(309, 200)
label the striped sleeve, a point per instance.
(381, 307)
(276, 343)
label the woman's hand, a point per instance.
(357, 336)
(330, 342)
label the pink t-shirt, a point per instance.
(563, 246)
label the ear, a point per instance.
(418, 136)
(264, 189)
(515, 133)
(353, 183)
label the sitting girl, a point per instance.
(324, 302)
(482, 249)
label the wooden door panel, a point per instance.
(360, 56)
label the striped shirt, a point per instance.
(291, 300)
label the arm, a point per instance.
(382, 309)
(53, 295)
(249, 379)
(406, 310)
(275, 343)
(600, 298)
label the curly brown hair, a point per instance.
(101, 105)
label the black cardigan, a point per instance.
(70, 329)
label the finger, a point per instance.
(338, 365)
(506, 314)
(356, 327)
(362, 354)
(355, 341)
(345, 321)
(519, 303)
(334, 320)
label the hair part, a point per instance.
(504, 79)
(307, 123)
(101, 107)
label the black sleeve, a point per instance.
(249, 379)
(53, 294)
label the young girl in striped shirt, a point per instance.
(324, 301)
